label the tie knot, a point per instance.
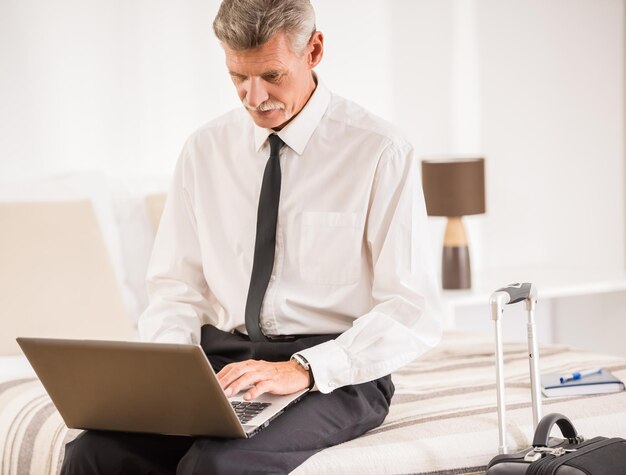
(275, 143)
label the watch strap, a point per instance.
(302, 361)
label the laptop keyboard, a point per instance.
(247, 410)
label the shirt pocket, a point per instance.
(330, 248)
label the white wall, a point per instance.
(114, 86)
(357, 63)
(537, 86)
(552, 77)
(62, 94)
(594, 323)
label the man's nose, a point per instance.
(256, 94)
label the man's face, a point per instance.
(273, 82)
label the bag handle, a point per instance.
(542, 433)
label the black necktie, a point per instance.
(265, 243)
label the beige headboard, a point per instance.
(56, 279)
(155, 204)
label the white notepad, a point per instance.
(600, 383)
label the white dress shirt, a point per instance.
(352, 249)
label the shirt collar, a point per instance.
(296, 134)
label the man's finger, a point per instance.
(247, 379)
(233, 371)
(231, 366)
(258, 389)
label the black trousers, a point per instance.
(318, 421)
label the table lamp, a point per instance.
(454, 188)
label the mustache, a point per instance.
(265, 106)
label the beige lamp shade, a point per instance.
(454, 187)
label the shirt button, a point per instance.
(272, 278)
(332, 384)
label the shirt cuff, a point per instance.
(330, 365)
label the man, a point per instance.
(310, 268)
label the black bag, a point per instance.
(572, 456)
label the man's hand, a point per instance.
(285, 377)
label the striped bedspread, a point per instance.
(442, 420)
(32, 433)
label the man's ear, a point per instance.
(315, 49)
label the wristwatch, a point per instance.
(302, 361)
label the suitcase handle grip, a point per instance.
(542, 433)
(518, 292)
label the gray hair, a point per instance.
(247, 24)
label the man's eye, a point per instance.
(272, 77)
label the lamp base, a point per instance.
(455, 261)
(455, 268)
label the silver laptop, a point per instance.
(157, 388)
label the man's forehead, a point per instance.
(255, 63)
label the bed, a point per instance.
(442, 418)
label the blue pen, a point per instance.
(579, 375)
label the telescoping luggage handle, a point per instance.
(511, 294)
